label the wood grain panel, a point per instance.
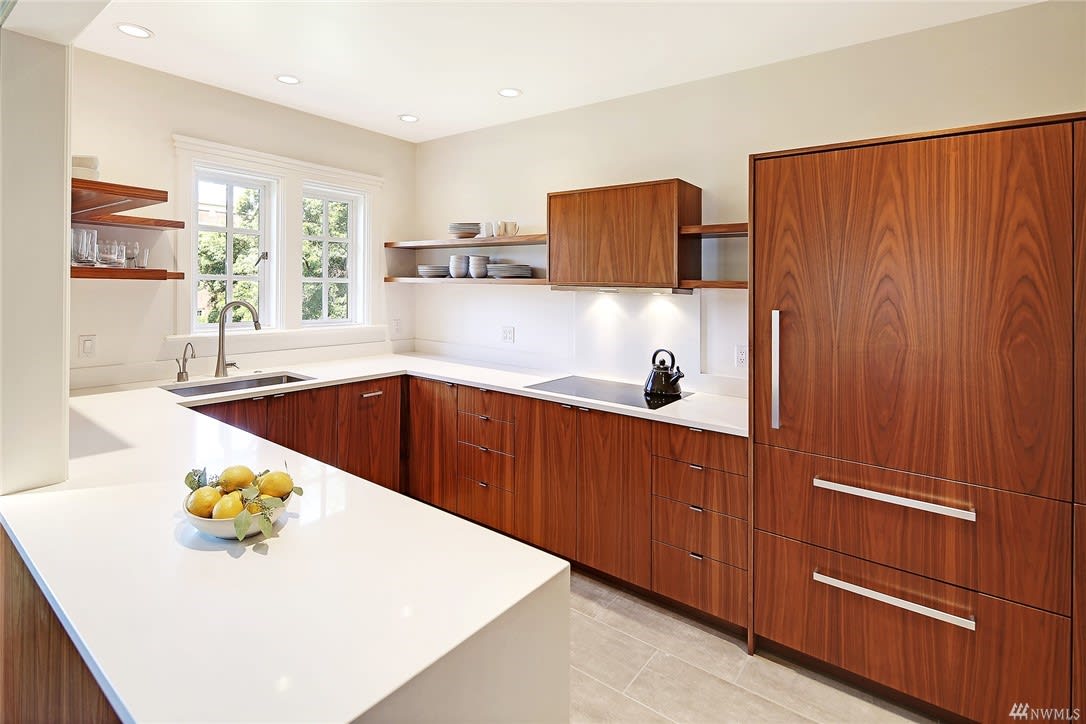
(700, 447)
(613, 495)
(707, 488)
(546, 475)
(707, 585)
(566, 238)
(250, 415)
(486, 466)
(1080, 312)
(1078, 618)
(305, 421)
(631, 234)
(488, 403)
(368, 434)
(486, 504)
(720, 537)
(954, 323)
(431, 442)
(44, 677)
(688, 249)
(1016, 654)
(485, 432)
(1019, 547)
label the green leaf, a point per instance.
(203, 477)
(272, 503)
(250, 492)
(264, 521)
(191, 480)
(297, 491)
(260, 475)
(241, 524)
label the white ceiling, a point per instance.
(366, 63)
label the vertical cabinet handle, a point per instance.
(775, 369)
(966, 623)
(375, 393)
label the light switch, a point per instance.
(88, 344)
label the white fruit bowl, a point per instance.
(224, 527)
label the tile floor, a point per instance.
(633, 661)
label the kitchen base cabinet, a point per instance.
(431, 442)
(484, 503)
(250, 415)
(700, 532)
(699, 582)
(1078, 687)
(369, 430)
(546, 476)
(960, 650)
(613, 495)
(305, 421)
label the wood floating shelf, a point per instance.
(464, 280)
(712, 284)
(96, 203)
(522, 240)
(715, 231)
(96, 272)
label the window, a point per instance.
(233, 240)
(328, 257)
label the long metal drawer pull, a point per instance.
(970, 515)
(775, 369)
(375, 393)
(966, 623)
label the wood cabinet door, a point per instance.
(614, 507)
(368, 440)
(1078, 617)
(306, 422)
(798, 209)
(566, 238)
(249, 415)
(546, 476)
(431, 442)
(631, 234)
(1080, 311)
(954, 331)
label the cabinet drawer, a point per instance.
(702, 583)
(1018, 547)
(485, 466)
(960, 650)
(485, 432)
(485, 503)
(697, 485)
(495, 405)
(720, 537)
(700, 447)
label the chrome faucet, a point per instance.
(183, 364)
(220, 362)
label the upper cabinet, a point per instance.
(624, 235)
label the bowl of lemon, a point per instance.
(238, 503)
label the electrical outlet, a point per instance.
(397, 326)
(87, 345)
(741, 356)
(509, 335)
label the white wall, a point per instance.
(1025, 62)
(126, 114)
(34, 256)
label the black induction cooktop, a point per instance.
(621, 393)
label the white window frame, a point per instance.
(291, 177)
(266, 233)
(355, 230)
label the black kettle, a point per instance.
(664, 378)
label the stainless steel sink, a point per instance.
(194, 389)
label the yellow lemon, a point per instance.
(254, 507)
(236, 477)
(228, 506)
(203, 500)
(277, 484)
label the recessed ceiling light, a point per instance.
(509, 92)
(135, 31)
(408, 118)
(288, 79)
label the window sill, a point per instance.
(245, 341)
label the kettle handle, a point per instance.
(665, 351)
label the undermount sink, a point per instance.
(192, 389)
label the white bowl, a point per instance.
(224, 527)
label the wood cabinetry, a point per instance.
(431, 441)
(546, 474)
(1078, 662)
(250, 415)
(1080, 311)
(368, 435)
(305, 421)
(624, 235)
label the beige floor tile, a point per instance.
(685, 693)
(604, 653)
(591, 701)
(672, 633)
(810, 694)
(588, 595)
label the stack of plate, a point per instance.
(477, 265)
(465, 229)
(510, 271)
(433, 271)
